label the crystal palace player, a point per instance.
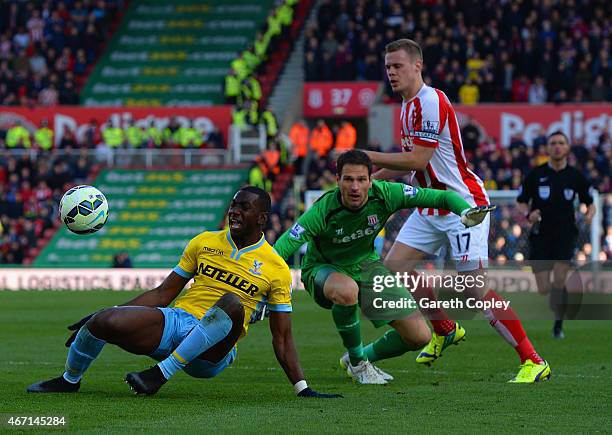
(234, 272)
(432, 147)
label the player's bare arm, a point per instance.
(162, 295)
(284, 348)
(286, 354)
(389, 174)
(416, 160)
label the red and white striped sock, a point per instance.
(509, 326)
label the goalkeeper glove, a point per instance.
(76, 326)
(473, 216)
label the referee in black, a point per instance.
(546, 197)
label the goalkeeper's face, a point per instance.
(354, 183)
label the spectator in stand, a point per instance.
(48, 96)
(299, 136)
(122, 260)
(520, 89)
(43, 137)
(68, 140)
(215, 139)
(537, 92)
(469, 93)
(346, 137)
(18, 136)
(471, 137)
(491, 43)
(321, 139)
(599, 91)
(92, 134)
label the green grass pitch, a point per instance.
(465, 391)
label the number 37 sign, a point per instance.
(339, 99)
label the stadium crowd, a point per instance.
(47, 48)
(30, 190)
(475, 50)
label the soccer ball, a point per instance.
(84, 209)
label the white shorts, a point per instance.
(469, 246)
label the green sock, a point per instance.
(347, 323)
(389, 345)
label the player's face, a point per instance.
(402, 71)
(244, 216)
(354, 184)
(557, 147)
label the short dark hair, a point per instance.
(353, 157)
(263, 198)
(408, 45)
(555, 133)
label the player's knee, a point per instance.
(230, 303)
(344, 296)
(390, 264)
(423, 336)
(414, 333)
(104, 323)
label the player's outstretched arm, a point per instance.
(160, 296)
(286, 354)
(432, 198)
(404, 196)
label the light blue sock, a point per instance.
(213, 327)
(83, 350)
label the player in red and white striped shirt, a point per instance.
(432, 147)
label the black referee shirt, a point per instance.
(553, 193)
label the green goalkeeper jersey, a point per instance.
(345, 238)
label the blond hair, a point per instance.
(408, 45)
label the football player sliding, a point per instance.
(340, 229)
(235, 271)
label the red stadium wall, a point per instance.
(62, 118)
(339, 99)
(504, 121)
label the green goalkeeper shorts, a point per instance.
(371, 302)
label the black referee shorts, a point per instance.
(547, 249)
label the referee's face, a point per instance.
(557, 147)
(354, 183)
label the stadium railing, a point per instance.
(145, 158)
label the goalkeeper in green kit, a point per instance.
(341, 263)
